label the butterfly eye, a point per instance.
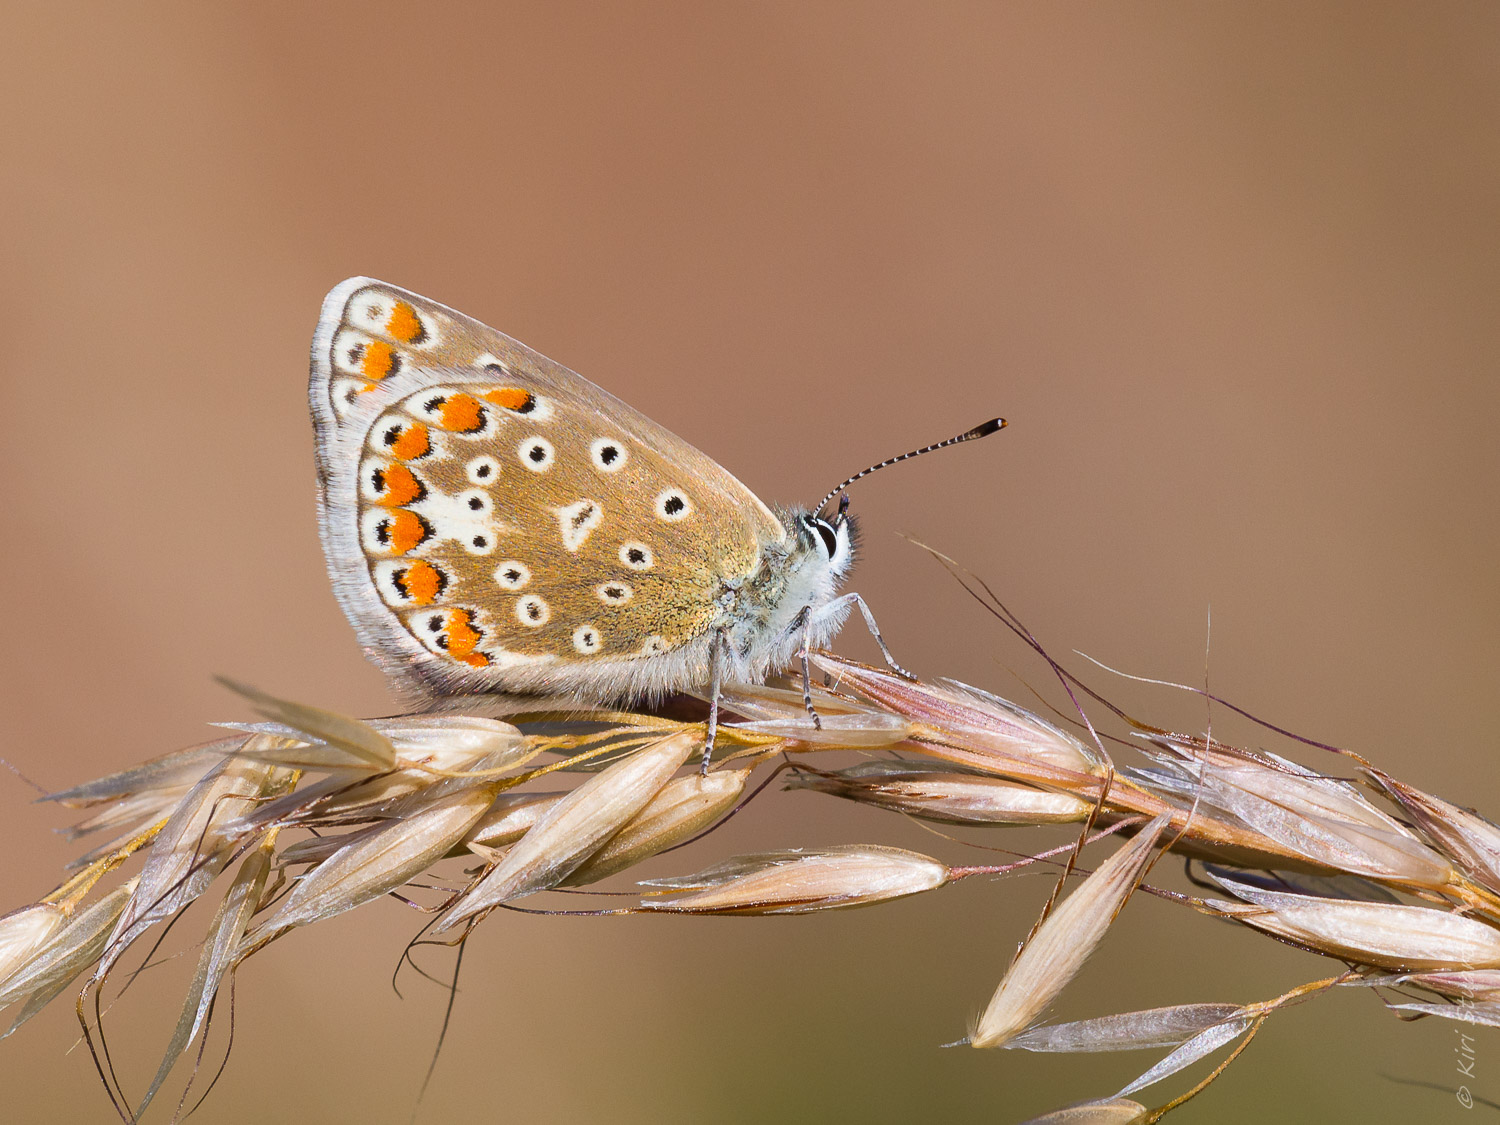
(537, 454)
(672, 506)
(609, 455)
(828, 535)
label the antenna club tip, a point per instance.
(988, 428)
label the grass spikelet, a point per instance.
(67, 952)
(1115, 1111)
(23, 931)
(801, 882)
(1131, 1031)
(1064, 941)
(574, 828)
(948, 795)
(193, 847)
(1391, 935)
(683, 808)
(375, 864)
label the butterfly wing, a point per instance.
(495, 522)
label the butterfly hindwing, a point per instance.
(494, 521)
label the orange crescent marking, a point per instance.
(512, 398)
(476, 660)
(401, 486)
(406, 531)
(422, 582)
(404, 324)
(412, 442)
(378, 361)
(462, 414)
(462, 636)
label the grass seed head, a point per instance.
(377, 862)
(23, 931)
(1470, 840)
(1324, 820)
(798, 882)
(1390, 935)
(1064, 941)
(68, 950)
(194, 846)
(968, 717)
(684, 808)
(1112, 1111)
(948, 795)
(574, 828)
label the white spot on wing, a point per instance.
(512, 575)
(614, 593)
(482, 470)
(532, 611)
(586, 639)
(636, 555)
(476, 530)
(609, 454)
(536, 454)
(578, 521)
(367, 474)
(343, 394)
(672, 505)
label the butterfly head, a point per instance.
(833, 538)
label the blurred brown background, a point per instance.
(1231, 273)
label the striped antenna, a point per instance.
(983, 430)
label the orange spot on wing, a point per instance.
(405, 325)
(401, 486)
(407, 531)
(379, 360)
(412, 442)
(462, 636)
(512, 398)
(462, 414)
(422, 582)
(477, 660)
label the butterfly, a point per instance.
(494, 522)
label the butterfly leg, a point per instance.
(846, 599)
(716, 684)
(804, 619)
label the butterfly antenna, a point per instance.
(983, 430)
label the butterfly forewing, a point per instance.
(493, 519)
